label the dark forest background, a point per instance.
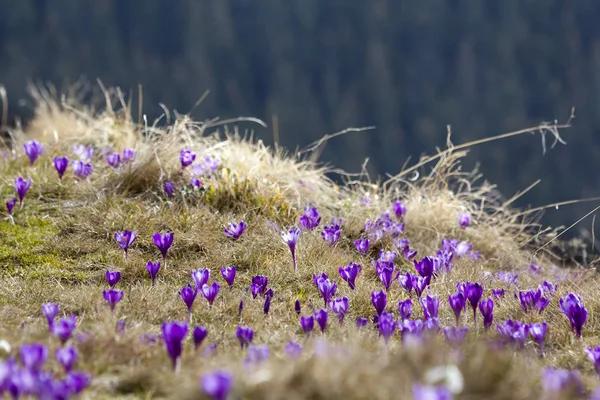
(407, 67)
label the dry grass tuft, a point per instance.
(62, 242)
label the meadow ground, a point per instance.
(57, 247)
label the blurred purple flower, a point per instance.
(267, 305)
(113, 159)
(153, 268)
(50, 310)
(424, 267)
(112, 277)
(498, 293)
(310, 219)
(331, 233)
(379, 301)
(321, 318)
(349, 274)
(112, 297)
(198, 335)
(573, 308)
(297, 307)
(173, 334)
(257, 354)
(473, 293)
(33, 356)
(33, 149)
(200, 277)
(293, 349)
(514, 331)
(125, 239)
(291, 237)
(217, 384)
(63, 328)
(210, 292)
(411, 327)
(120, 326)
(234, 230)
(128, 155)
(169, 188)
(559, 380)
(61, 164)
(84, 153)
(186, 157)
(419, 283)
(457, 303)
(188, 295)
(405, 309)
(228, 273)
(362, 246)
(455, 335)
(82, 170)
(67, 357)
(430, 306)
(399, 209)
(464, 219)
(10, 205)
(421, 392)
(307, 324)
(538, 333)
(486, 307)
(340, 307)
(360, 322)
(21, 187)
(385, 271)
(387, 326)
(245, 335)
(507, 277)
(327, 289)
(163, 242)
(406, 281)
(258, 285)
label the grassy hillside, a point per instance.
(58, 246)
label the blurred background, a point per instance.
(318, 66)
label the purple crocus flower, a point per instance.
(457, 303)
(430, 306)
(507, 277)
(125, 239)
(84, 153)
(560, 380)
(573, 308)
(63, 328)
(61, 164)
(21, 187)
(77, 381)
(128, 155)
(291, 237)
(455, 335)
(293, 349)
(258, 285)
(498, 293)
(387, 326)
(82, 170)
(331, 233)
(310, 219)
(548, 288)
(464, 219)
(514, 331)
(153, 268)
(340, 307)
(67, 357)
(399, 209)
(419, 283)
(163, 242)
(173, 334)
(321, 318)
(33, 356)
(234, 230)
(112, 297)
(362, 246)
(297, 307)
(318, 277)
(538, 333)
(473, 293)
(531, 300)
(405, 309)
(228, 273)
(210, 292)
(257, 354)
(406, 281)
(379, 301)
(421, 392)
(10, 205)
(200, 277)
(267, 305)
(411, 327)
(486, 307)
(112, 277)
(385, 271)
(360, 322)
(33, 149)
(245, 335)
(114, 159)
(217, 384)
(195, 182)
(424, 267)
(50, 310)
(349, 274)
(198, 335)
(169, 188)
(120, 326)
(240, 308)
(188, 295)
(307, 324)
(594, 355)
(186, 157)
(327, 289)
